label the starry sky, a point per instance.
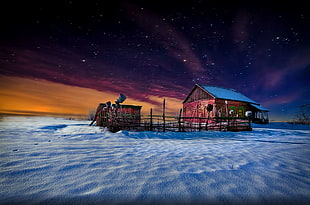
(68, 56)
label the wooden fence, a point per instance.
(176, 124)
(116, 121)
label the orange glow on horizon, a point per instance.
(22, 95)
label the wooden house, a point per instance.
(216, 102)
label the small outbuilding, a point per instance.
(117, 116)
(210, 102)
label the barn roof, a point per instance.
(228, 94)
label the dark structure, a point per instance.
(115, 116)
(210, 102)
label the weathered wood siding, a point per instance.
(125, 114)
(132, 110)
(198, 108)
(198, 94)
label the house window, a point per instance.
(241, 111)
(232, 110)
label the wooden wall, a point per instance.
(198, 94)
(198, 108)
(220, 109)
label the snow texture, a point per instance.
(58, 161)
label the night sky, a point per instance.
(58, 55)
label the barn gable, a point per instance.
(198, 93)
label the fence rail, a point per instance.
(175, 124)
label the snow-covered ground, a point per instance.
(53, 160)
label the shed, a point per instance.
(120, 114)
(210, 101)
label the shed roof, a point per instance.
(259, 108)
(228, 94)
(131, 106)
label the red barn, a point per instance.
(210, 101)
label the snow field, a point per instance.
(52, 160)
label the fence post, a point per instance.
(207, 121)
(228, 122)
(250, 126)
(221, 121)
(164, 120)
(179, 120)
(151, 121)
